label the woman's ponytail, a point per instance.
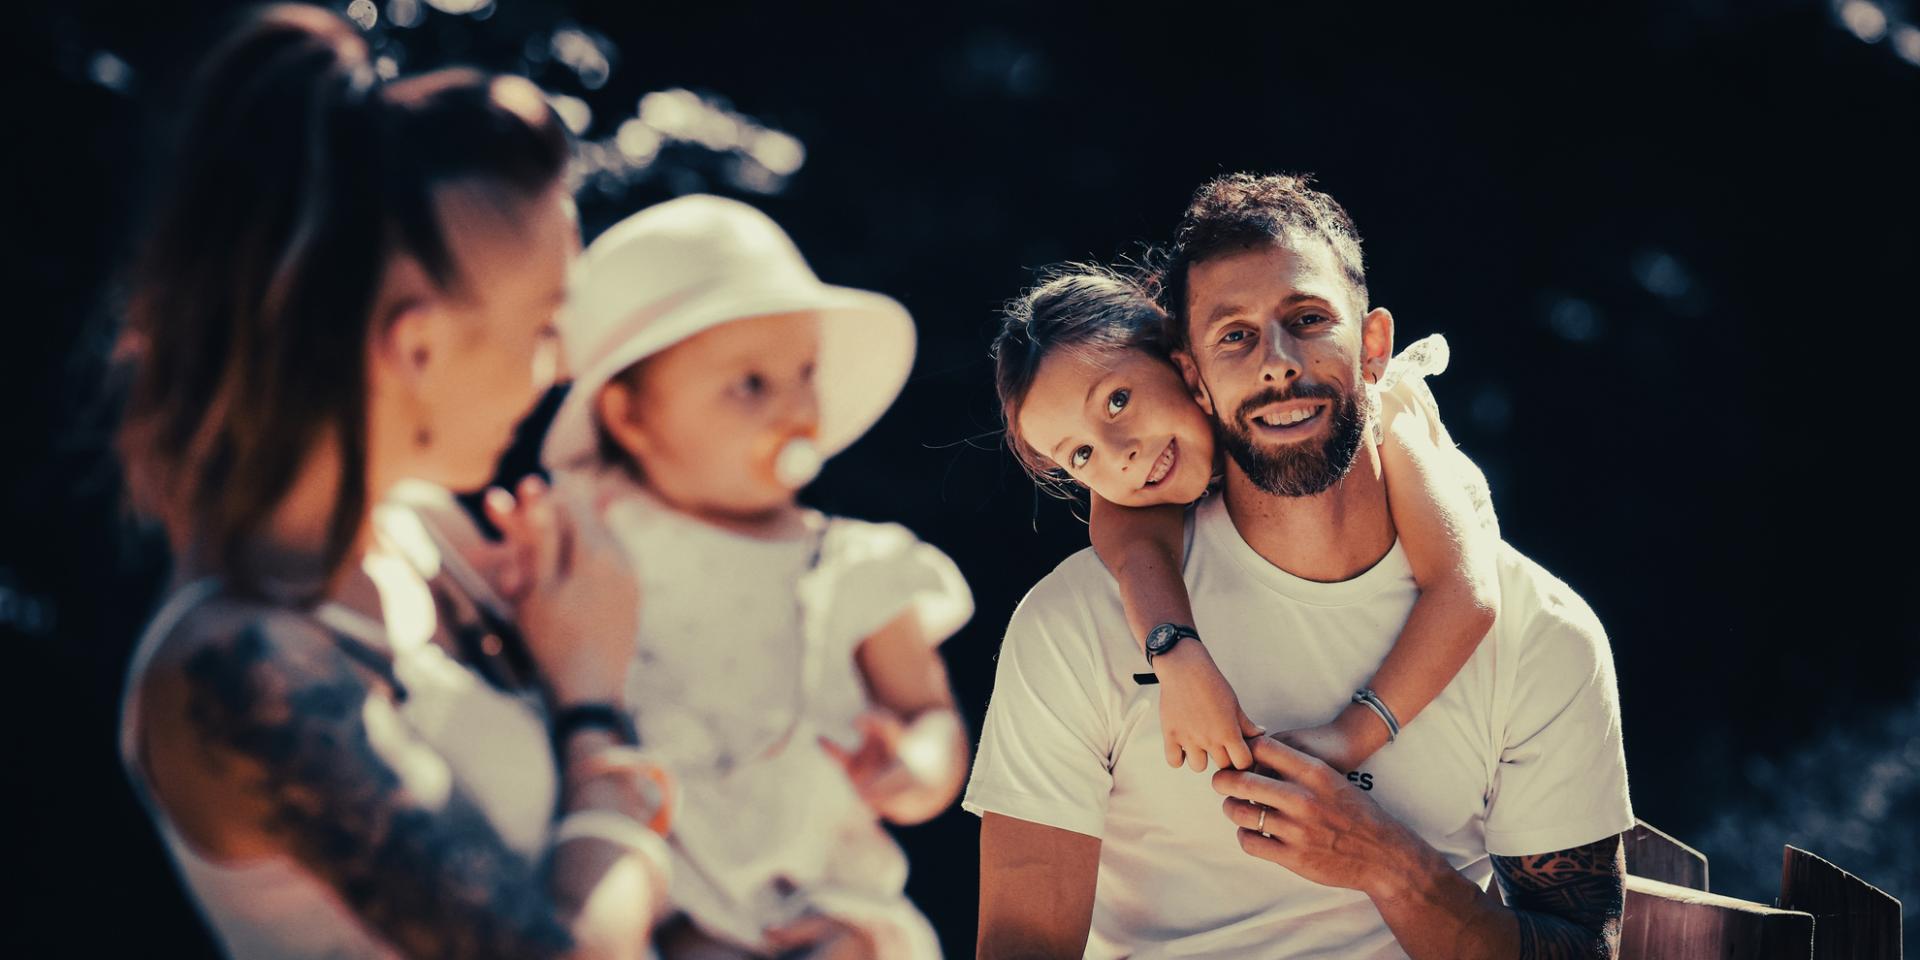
(297, 176)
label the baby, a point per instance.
(786, 668)
(1091, 324)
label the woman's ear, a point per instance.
(405, 342)
(409, 338)
(1190, 372)
(1376, 343)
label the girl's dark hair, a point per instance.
(1076, 306)
(298, 175)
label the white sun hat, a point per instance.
(694, 263)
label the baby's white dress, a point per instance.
(745, 659)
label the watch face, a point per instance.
(1162, 637)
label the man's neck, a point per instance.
(1334, 535)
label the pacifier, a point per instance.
(798, 462)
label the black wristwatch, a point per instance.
(1163, 638)
(593, 716)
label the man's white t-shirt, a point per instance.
(1520, 754)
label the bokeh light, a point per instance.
(1865, 19)
(364, 13)
(405, 14)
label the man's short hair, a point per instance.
(1240, 210)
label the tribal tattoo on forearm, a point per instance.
(1568, 902)
(432, 882)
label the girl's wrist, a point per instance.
(1362, 727)
(1187, 652)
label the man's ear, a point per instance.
(1190, 371)
(1376, 343)
(615, 408)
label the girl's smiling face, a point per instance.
(1122, 423)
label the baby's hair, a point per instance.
(1082, 307)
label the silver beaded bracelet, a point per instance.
(1367, 696)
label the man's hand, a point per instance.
(1315, 823)
(1561, 904)
(1200, 715)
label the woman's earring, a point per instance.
(422, 434)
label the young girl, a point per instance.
(1137, 520)
(786, 669)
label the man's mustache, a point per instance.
(1300, 390)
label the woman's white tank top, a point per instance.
(494, 743)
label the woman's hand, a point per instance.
(578, 602)
(1200, 716)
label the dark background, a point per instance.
(1672, 243)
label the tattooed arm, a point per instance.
(269, 740)
(1565, 904)
(1568, 903)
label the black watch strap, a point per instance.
(593, 716)
(1165, 637)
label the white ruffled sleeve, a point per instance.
(1405, 381)
(871, 573)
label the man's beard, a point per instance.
(1296, 469)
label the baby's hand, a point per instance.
(820, 937)
(899, 768)
(1200, 716)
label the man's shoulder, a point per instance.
(1541, 601)
(1075, 607)
(1074, 582)
(1547, 625)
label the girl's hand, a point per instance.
(1200, 716)
(1343, 744)
(578, 604)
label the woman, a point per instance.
(351, 283)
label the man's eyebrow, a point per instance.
(1225, 310)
